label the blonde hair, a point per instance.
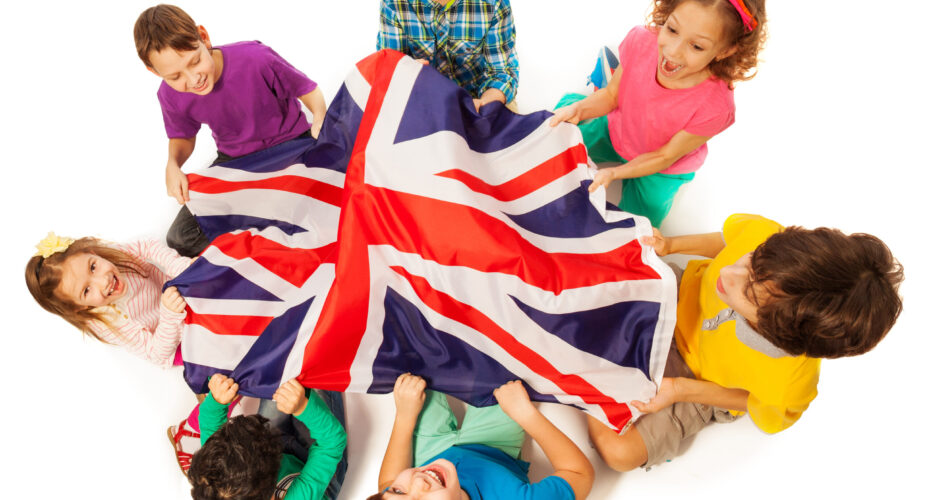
(43, 275)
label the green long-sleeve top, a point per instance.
(324, 454)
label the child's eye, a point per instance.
(672, 30)
(86, 291)
(93, 267)
(698, 48)
(398, 491)
(195, 62)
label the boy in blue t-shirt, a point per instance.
(480, 459)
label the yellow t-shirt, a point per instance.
(780, 388)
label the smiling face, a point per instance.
(736, 288)
(435, 481)
(89, 281)
(195, 71)
(687, 43)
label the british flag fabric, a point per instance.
(417, 235)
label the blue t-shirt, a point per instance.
(487, 473)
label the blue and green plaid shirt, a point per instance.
(471, 41)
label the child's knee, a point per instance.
(624, 452)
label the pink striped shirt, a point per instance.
(140, 323)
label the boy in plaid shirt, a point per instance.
(473, 42)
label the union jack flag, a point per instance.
(416, 235)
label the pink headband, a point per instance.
(749, 22)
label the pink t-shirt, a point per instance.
(647, 114)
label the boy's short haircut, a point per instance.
(164, 26)
(831, 294)
(241, 461)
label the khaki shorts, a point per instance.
(663, 432)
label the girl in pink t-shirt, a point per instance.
(670, 94)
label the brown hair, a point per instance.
(376, 496)
(239, 461)
(43, 275)
(164, 26)
(748, 44)
(831, 294)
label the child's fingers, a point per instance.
(215, 380)
(176, 192)
(403, 381)
(642, 407)
(557, 118)
(291, 388)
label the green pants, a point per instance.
(651, 195)
(437, 429)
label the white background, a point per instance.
(829, 133)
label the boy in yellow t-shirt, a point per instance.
(752, 323)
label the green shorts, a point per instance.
(651, 195)
(437, 429)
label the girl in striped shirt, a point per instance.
(113, 292)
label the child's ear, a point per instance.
(149, 68)
(727, 52)
(204, 36)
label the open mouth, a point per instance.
(435, 474)
(201, 87)
(115, 287)
(668, 67)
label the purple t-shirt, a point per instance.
(253, 105)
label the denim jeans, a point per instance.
(297, 439)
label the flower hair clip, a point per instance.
(53, 244)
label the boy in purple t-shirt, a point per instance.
(248, 95)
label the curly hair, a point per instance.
(831, 294)
(741, 65)
(240, 461)
(43, 275)
(164, 26)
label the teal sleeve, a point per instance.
(324, 454)
(213, 415)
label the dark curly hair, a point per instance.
(742, 63)
(240, 461)
(831, 294)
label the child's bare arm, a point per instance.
(706, 244)
(409, 396)
(568, 461)
(651, 162)
(315, 102)
(179, 149)
(597, 104)
(675, 390)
